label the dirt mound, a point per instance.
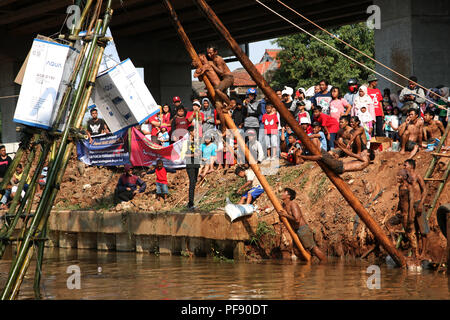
(324, 208)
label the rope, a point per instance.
(330, 46)
(7, 97)
(349, 45)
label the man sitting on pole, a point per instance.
(222, 70)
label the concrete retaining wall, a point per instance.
(175, 233)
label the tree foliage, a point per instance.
(305, 61)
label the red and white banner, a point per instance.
(145, 153)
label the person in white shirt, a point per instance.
(256, 189)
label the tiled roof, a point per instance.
(242, 78)
(273, 52)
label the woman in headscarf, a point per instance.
(444, 106)
(363, 100)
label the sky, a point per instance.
(256, 52)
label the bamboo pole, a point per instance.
(12, 167)
(23, 256)
(340, 184)
(228, 122)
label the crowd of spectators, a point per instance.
(355, 118)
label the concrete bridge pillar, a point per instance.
(413, 40)
(8, 71)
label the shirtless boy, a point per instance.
(222, 70)
(420, 192)
(411, 133)
(206, 69)
(338, 166)
(432, 129)
(358, 141)
(405, 209)
(343, 136)
(293, 213)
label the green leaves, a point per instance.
(305, 61)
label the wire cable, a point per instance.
(357, 50)
(330, 46)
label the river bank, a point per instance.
(325, 210)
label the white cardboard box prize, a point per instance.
(122, 97)
(49, 68)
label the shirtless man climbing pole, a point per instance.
(206, 69)
(420, 192)
(411, 133)
(293, 213)
(405, 210)
(432, 129)
(222, 70)
(338, 166)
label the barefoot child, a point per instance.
(209, 154)
(161, 179)
(270, 121)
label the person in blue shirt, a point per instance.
(318, 137)
(209, 154)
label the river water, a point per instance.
(121, 275)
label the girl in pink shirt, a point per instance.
(338, 105)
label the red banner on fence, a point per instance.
(146, 153)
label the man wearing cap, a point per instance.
(377, 98)
(127, 186)
(412, 95)
(286, 96)
(353, 88)
(174, 107)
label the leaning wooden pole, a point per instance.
(343, 188)
(229, 123)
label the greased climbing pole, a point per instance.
(340, 184)
(86, 69)
(227, 121)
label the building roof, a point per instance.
(242, 78)
(273, 53)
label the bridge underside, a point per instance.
(142, 30)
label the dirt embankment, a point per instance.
(324, 208)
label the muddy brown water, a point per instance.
(121, 275)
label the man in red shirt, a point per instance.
(330, 125)
(270, 121)
(192, 116)
(377, 97)
(161, 179)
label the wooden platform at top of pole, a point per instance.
(228, 122)
(343, 188)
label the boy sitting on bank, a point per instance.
(256, 190)
(162, 188)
